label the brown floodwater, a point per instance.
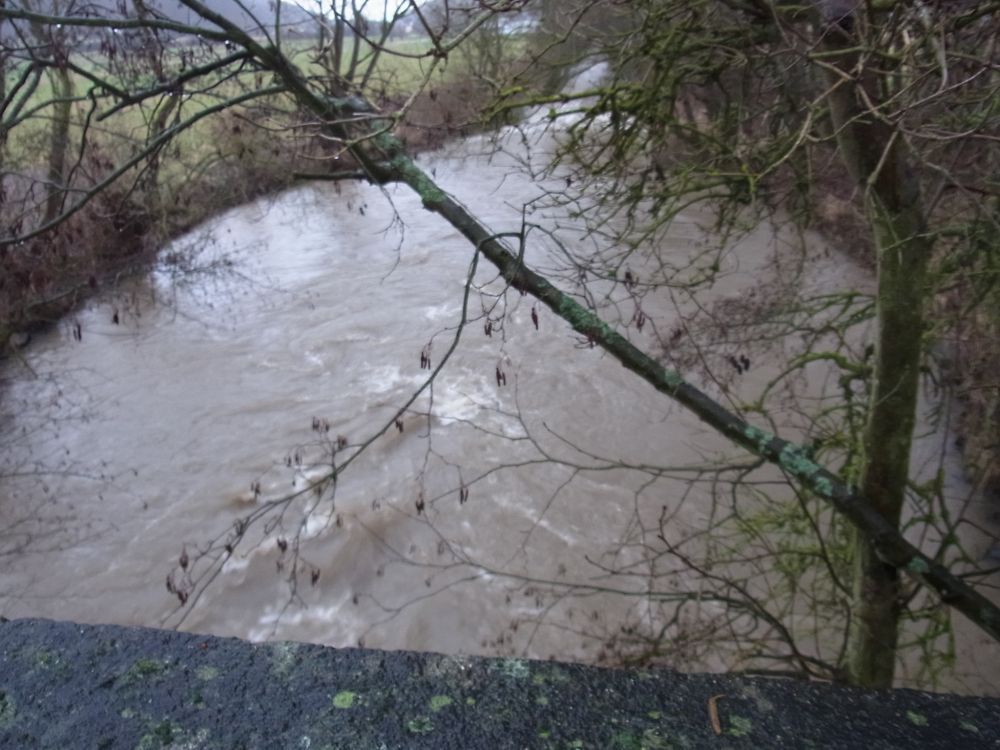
(142, 440)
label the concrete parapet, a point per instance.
(64, 685)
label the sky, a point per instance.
(375, 9)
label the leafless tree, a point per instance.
(707, 103)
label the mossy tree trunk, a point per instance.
(876, 155)
(3, 97)
(161, 120)
(52, 41)
(62, 86)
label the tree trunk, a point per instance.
(151, 182)
(3, 98)
(62, 88)
(876, 156)
(903, 252)
(336, 62)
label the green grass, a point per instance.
(194, 152)
(394, 76)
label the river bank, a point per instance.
(118, 234)
(212, 388)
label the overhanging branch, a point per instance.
(383, 158)
(892, 547)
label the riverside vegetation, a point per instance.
(738, 107)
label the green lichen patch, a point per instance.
(169, 735)
(761, 703)
(542, 700)
(626, 741)
(672, 378)
(739, 726)
(760, 438)
(439, 702)
(8, 710)
(425, 187)
(648, 740)
(585, 322)
(45, 659)
(557, 675)
(206, 673)
(160, 735)
(419, 725)
(965, 726)
(653, 740)
(145, 670)
(797, 462)
(283, 658)
(514, 668)
(916, 718)
(146, 667)
(344, 699)
(918, 565)
(453, 668)
(553, 676)
(823, 486)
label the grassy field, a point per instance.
(398, 71)
(218, 154)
